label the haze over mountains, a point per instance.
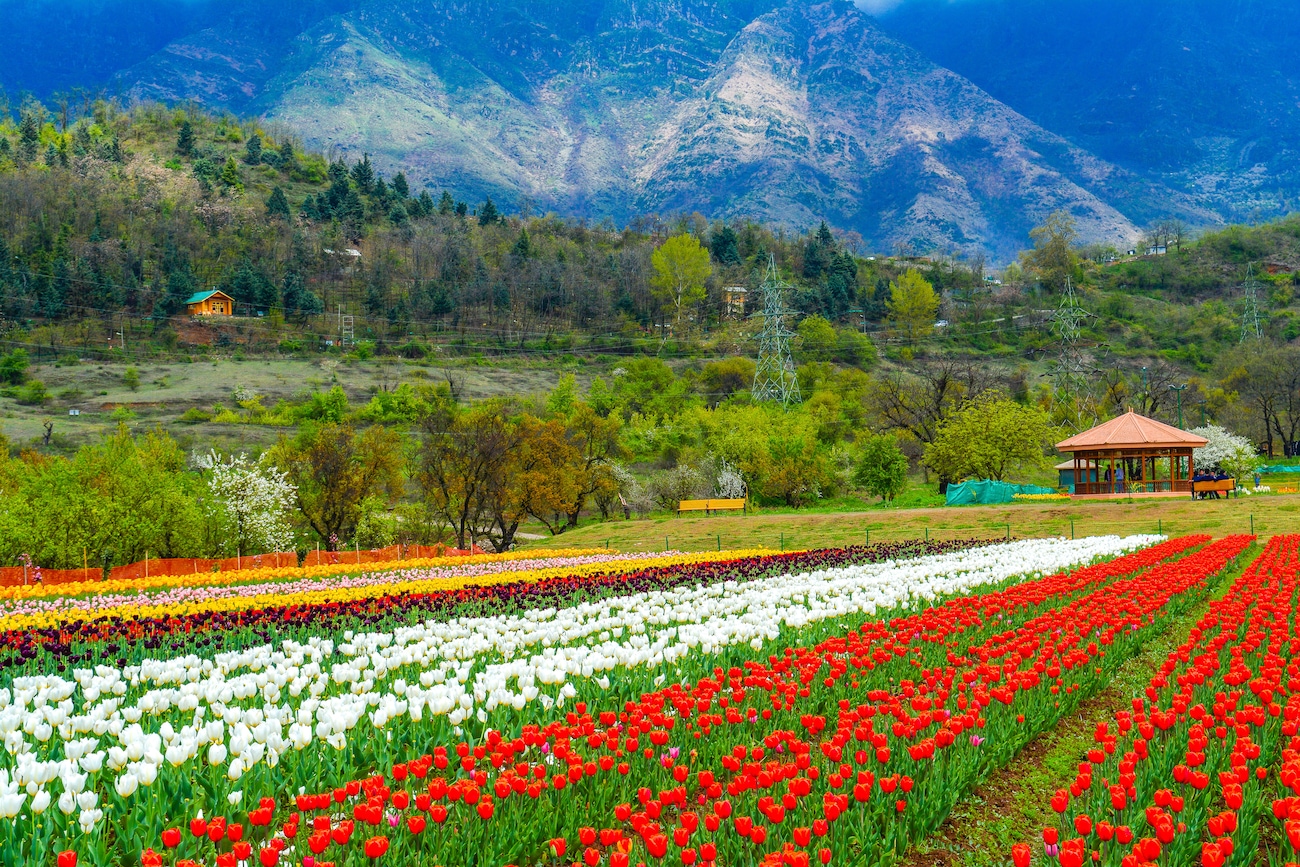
(790, 112)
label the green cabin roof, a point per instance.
(200, 297)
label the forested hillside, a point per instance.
(111, 218)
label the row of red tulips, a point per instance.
(856, 745)
(1210, 755)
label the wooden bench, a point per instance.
(707, 506)
(1225, 486)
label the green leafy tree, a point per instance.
(185, 139)
(13, 366)
(336, 469)
(881, 469)
(989, 438)
(912, 304)
(1053, 258)
(817, 339)
(131, 378)
(681, 267)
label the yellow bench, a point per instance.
(707, 506)
(1225, 486)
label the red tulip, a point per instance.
(67, 858)
(171, 838)
(559, 846)
(268, 856)
(1021, 855)
(150, 858)
(657, 845)
(416, 824)
(318, 842)
(376, 847)
(198, 827)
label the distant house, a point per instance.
(1157, 250)
(733, 300)
(213, 303)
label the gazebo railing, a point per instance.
(1135, 486)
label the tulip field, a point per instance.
(595, 708)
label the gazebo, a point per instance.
(1132, 455)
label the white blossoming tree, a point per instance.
(1226, 451)
(256, 499)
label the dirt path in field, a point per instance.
(1012, 805)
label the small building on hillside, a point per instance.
(213, 303)
(733, 301)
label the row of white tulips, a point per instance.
(120, 729)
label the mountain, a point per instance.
(791, 114)
(1201, 95)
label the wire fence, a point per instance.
(850, 531)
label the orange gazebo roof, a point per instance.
(1131, 430)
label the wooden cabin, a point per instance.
(213, 303)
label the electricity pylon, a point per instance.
(774, 378)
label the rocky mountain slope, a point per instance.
(1202, 95)
(796, 113)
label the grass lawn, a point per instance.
(1271, 513)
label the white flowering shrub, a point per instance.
(256, 498)
(1226, 451)
(728, 483)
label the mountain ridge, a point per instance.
(787, 112)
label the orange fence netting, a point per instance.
(11, 576)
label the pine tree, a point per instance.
(462, 209)
(725, 246)
(363, 173)
(442, 302)
(400, 188)
(277, 205)
(287, 154)
(185, 139)
(29, 137)
(523, 247)
(253, 150)
(298, 301)
(426, 204)
(488, 215)
(338, 170)
(229, 177)
(445, 204)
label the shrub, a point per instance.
(194, 415)
(33, 393)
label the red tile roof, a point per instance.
(1131, 430)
